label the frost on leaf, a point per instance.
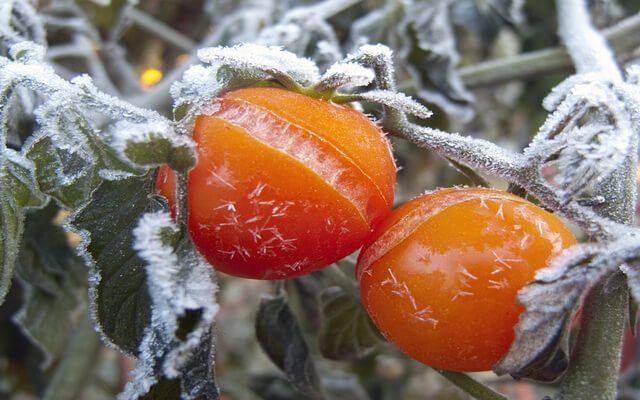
(118, 294)
(72, 145)
(345, 75)
(264, 62)
(305, 31)
(177, 346)
(589, 134)
(19, 22)
(551, 301)
(152, 144)
(422, 34)
(396, 101)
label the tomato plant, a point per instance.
(285, 183)
(440, 276)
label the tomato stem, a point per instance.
(470, 385)
(76, 366)
(339, 278)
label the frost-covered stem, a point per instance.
(471, 386)
(593, 370)
(475, 153)
(181, 196)
(588, 50)
(77, 365)
(623, 37)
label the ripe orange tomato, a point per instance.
(285, 184)
(439, 277)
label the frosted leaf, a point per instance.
(20, 22)
(68, 150)
(268, 61)
(589, 134)
(428, 54)
(197, 89)
(152, 144)
(345, 75)
(182, 288)
(552, 299)
(396, 101)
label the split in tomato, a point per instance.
(285, 184)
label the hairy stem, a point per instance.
(471, 386)
(593, 370)
(77, 365)
(623, 37)
(340, 279)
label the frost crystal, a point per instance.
(263, 61)
(181, 285)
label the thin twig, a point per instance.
(471, 386)
(624, 37)
(160, 29)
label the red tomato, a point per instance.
(440, 276)
(285, 184)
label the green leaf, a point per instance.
(347, 332)
(67, 176)
(119, 293)
(148, 148)
(280, 337)
(17, 191)
(54, 281)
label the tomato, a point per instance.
(439, 277)
(285, 184)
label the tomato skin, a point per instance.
(284, 184)
(440, 276)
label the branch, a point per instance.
(470, 385)
(623, 37)
(593, 370)
(162, 30)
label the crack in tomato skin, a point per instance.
(440, 276)
(261, 203)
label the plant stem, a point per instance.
(593, 370)
(160, 29)
(75, 368)
(624, 37)
(339, 278)
(470, 385)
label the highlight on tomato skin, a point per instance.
(285, 184)
(439, 277)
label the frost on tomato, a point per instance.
(285, 184)
(440, 276)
